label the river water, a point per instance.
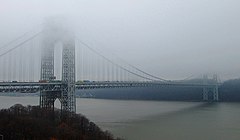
(155, 120)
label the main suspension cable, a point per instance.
(20, 44)
(93, 50)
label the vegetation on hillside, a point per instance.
(33, 123)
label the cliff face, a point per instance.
(31, 122)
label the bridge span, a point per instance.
(33, 56)
(32, 87)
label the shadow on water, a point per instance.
(183, 111)
(161, 125)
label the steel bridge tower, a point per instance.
(66, 95)
(212, 90)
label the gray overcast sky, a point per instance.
(169, 38)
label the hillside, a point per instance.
(31, 122)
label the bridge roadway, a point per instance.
(32, 87)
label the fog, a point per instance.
(172, 39)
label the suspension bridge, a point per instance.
(54, 62)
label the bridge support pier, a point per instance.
(215, 93)
(205, 94)
(47, 99)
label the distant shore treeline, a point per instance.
(33, 123)
(228, 91)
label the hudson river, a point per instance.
(155, 120)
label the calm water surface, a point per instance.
(155, 120)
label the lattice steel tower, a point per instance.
(52, 34)
(210, 90)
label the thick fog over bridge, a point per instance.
(170, 39)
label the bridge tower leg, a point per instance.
(205, 89)
(205, 94)
(47, 61)
(68, 76)
(215, 93)
(47, 72)
(215, 88)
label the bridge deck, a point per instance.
(56, 86)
